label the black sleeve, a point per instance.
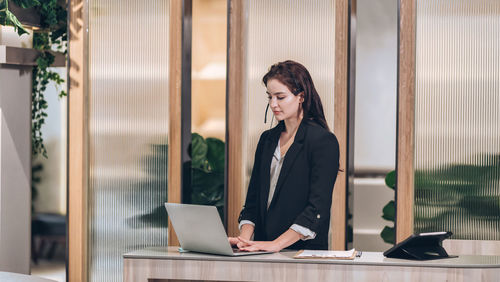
(324, 166)
(250, 209)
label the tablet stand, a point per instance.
(424, 246)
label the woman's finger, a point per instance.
(233, 241)
(250, 249)
(254, 247)
(242, 245)
(248, 242)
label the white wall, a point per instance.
(15, 160)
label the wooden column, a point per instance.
(77, 141)
(174, 137)
(234, 113)
(405, 120)
(338, 212)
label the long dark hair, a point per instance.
(296, 77)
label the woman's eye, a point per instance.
(269, 97)
(281, 98)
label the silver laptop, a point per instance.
(200, 229)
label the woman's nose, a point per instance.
(273, 102)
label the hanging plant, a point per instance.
(52, 36)
(8, 18)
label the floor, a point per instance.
(54, 269)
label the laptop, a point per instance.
(199, 229)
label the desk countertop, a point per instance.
(367, 258)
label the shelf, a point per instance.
(26, 56)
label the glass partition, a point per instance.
(457, 118)
(128, 127)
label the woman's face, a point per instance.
(282, 102)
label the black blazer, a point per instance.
(303, 194)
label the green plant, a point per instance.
(8, 18)
(207, 179)
(152, 189)
(389, 211)
(450, 195)
(207, 171)
(52, 35)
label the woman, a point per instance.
(296, 164)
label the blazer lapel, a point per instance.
(290, 157)
(265, 173)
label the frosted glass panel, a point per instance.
(128, 127)
(457, 119)
(303, 31)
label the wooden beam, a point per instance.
(27, 56)
(174, 136)
(405, 120)
(235, 97)
(338, 212)
(77, 141)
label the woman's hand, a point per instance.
(236, 242)
(233, 241)
(283, 241)
(251, 246)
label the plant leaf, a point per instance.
(11, 19)
(207, 187)
(26, 4)
(199, 150)
(389, 211)
(390, 179)
(216, 154)
(388, 235)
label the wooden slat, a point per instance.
(234, 114)
(406, 121)
(77, 142)
(174, 136)
(338, 212)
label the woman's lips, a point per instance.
(276, 112)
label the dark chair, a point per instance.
(47, 230)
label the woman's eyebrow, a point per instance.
(277, 93)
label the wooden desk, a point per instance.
(167, 264)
